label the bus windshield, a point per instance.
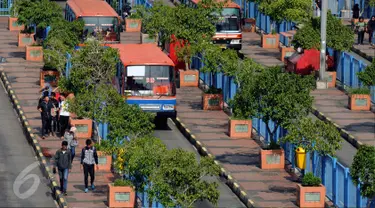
(229, 20)
(149, 81)
(107, 26)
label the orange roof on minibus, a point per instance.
(229, 4)
(142, 54)
(91, 8)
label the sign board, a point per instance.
(214, 102)
(329, 78)
(122, 196)
(361, 102)
(190, 78)
(50, 78)
(27, 40)
(241, 128)
(35, 53)
(102, 160)
(82, 128)
(273, 159)
(312, 197)
(270, 41)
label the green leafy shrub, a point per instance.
(310, 180)
(367, 77)
(359, 91)
(122, 182)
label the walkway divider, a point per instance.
(31, 138)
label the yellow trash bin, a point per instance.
(300, 157)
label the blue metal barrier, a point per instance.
(5, 6)
(335, 176)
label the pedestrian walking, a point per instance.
(71, 138)
(318, 6)
(89, 158)
(370, 29)
(64, 116)
(355, 10)
(45, 112)
(361, 28)
(64, 165)
(54, 113)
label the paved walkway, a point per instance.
(24, 79)
(266, 188)
(333, 103)
(365, 50)
(251, 48)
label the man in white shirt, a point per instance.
(64, 116)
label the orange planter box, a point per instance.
(120, 196)
(272, 159)
(360, 102)
(189, 78)
(25, 39)
(84, 128)
(270, 41)
(13, 25)
(34, 53)
(249, 25)
(133, 25)
(308, 196)
(331, 78)
(212, 101)
(240, 129)
(51, 77)
(105, 161)
(286, 52)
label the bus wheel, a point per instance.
(161, 122)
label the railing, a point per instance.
(5, 6)
(335, 176)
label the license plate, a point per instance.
(223, 46)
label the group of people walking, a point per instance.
(54, 113)
(56, 120)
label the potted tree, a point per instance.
(104, 159)
(270, 40)
(279, 99)
(134, 21)
(311, 193)
(121, 194)
(34, 52)
(359, 99)
(367, 77)
(311, 136)
(13, 24)
(212, 99)
(362, 172)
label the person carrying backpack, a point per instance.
(89, 158)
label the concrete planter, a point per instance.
(331, 79)
(13, 25)
(25, 39)
(133, 25)
(34, 53)
(286, 52)
(212, 101)
(360, 102)
(50, 77)
(240, 129)
(120, 196)
(105, 161)
(309, 196)
(272, 159)
(270, 41)
(84, 128)
(189, 78)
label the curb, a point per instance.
(348, 137)
(361, 54)
(60, 199)
(233, 185)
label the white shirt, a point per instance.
(64, 109)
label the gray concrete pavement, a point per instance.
(172, 137)
(16, 157)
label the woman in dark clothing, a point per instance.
(356, 11)
(371, 28)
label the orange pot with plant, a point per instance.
(270, 40)
(311, 193)
(240, 128)
(13, 25)
(212, 99)
(272, 157)
(104, 159)
(359, 99)
(49, 76)
(84, 128)
(34, 53)
(121, 194)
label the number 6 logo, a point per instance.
(22, 178)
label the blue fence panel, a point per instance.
(341, 185)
